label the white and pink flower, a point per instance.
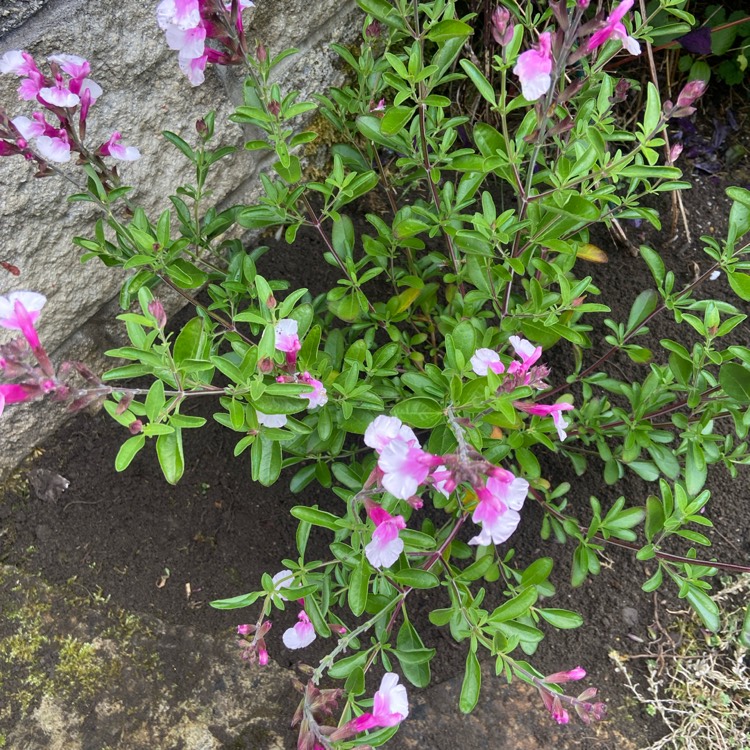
(54, 147)
(318, 396)
(534, 68)
(486, 359)
(614, 29)
(287, 339)
(386, 546)
(116, 150)
(20, 311)
(390, 706)
(546, 410)
(500, 500)
(270, 420)
(383, 429)
(301, 635)
(405, 466)
(283, 580)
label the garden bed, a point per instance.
(132, 542)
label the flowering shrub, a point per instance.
(419, 388)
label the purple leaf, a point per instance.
(697, 41)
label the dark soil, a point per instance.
(167, 551)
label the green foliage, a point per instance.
(487, 236)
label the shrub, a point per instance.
(418, 388)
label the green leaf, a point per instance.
(740, 283)
(705, 607)
(155, 400)
(416, 578)
(394, 119)
(563, 619)
(419, 411)
(745, 632)
(653, 110)
(265, 460)
(483, 86)
(735, 380)
(471, 685)
(171, 456)
(644, 305)
(236, 602)
(515, 607)
(655, 263)
(128, 451)
(359, 582)
(316, 517)
(191, 343)
(408, 640)
(645, 470)
(344, 667)
(449, 29)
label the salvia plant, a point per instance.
(419, 388)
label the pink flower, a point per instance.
(54, 148)
(386, 545)
(28, 128)
(12, 393)
(301, 635)
(318, 396)
(614, 29)
(19, 311)
(525, 350)
(383, 429)
(405, 466)
(245, 629)
(185, 14)
(287, 339)
(270, 420)
(190, 43)
(390, 706)
(59, 95)
(75, 66)
(31, 87)
(534, 69)
(19, 62)
(499, 502)
(545, 410)
(194, 69)
(114, 149)
(443, 481)
(486, 359)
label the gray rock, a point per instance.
(144, 94)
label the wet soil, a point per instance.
(136, 542)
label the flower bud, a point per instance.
(572, 674)
(265, 365)
(375, 29)
(499, 24)
(274, 108)
(260, 53)
(201, 128)
(674, 153)
(692, 91)
(135, 427)
(156, 309)
(245, 629)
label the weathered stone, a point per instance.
(144, 94)
(76, 678)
